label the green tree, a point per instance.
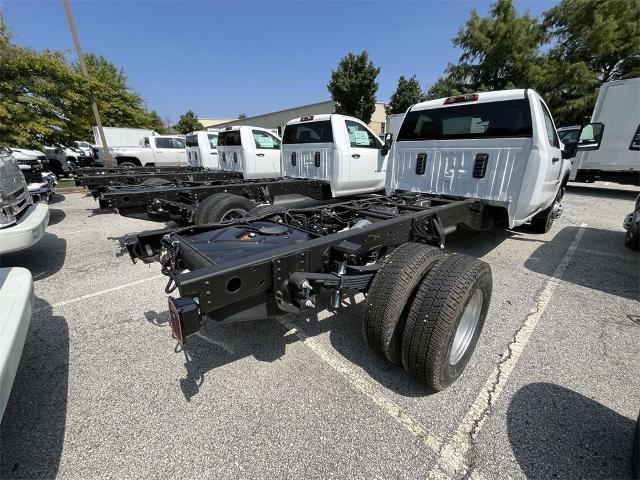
(155, 122)
(188, 122)
(604, 34)
(408, 92)
(498, 51)
(353, 86)
(241, 116)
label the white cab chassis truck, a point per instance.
(253, 151)
(22, 224)
(202, 149)
(156, 151)
(323, 158)
(611, 142)
(457, 161)
(498, 147)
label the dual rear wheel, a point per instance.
(425, 311)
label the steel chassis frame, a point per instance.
(282, 277)
(182, 197)
(94, 182)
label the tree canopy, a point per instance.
(408, 92)
(188, 122)
(46, 100)
(353, 86)
(578, 45)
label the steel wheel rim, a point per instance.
(466, 327)
(233, 214)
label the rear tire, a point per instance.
(389, 296)
(221, 207)
(445, 320)
(543, 221)
(632, 237)
(264, 210)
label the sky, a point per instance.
(222, 58)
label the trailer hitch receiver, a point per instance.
(184, 316)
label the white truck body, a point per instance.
(16, 298)
(338, 149)
(157, 150)
(22, 224)
(501, 147)
(202, 149)
(122, 137)
(618, 108)
(253, 151)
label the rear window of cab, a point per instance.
(504, 119)
(308, 132)
(230, 138)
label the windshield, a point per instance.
(313, 132)
(510, 118)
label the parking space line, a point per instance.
(456, 457)
(97, 294)
(362, 384)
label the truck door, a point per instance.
(366, 164)
(166, 153)
(553, 155)
(180, 148)
(210, 160)
(267, 151)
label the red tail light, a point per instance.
(469, 97)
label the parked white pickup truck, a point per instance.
(158, 151)
(501, 147)
(253, 151)
(202, 149)
(22, 224)
(338, 149)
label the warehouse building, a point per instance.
(277, 120)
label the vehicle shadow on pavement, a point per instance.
(601, 262)
(33, 426)
(555, 432)
(43, 259)
(218, 344)
(56, 198)
(600, 191)
(56, 215)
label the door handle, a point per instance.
(259, 154)
(355, 155)
(555, 159)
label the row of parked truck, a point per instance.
(332, 207)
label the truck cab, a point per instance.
(500, 147)
(202, 149)
(159, 151)
(335, 148)
(22, 224)
(252, 151)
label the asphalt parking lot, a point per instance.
(552, 390)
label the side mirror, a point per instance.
(388, 140)
(590, 137)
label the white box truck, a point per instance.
(616, 121)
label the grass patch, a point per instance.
(66, 183)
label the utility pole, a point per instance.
(108, 159)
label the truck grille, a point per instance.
(18, 200)
(480, 165)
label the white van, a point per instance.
(338, 149)
(202, 149)
(616, 124)
(501, 147)
(253, 151)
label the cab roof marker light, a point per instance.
(469, 97)
(306, 119)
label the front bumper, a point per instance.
(16, 298)
(27, 231)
